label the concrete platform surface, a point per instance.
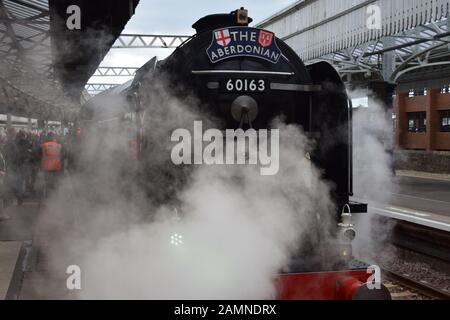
(20, 225)
(14, 233)
(9, 254)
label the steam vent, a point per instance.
(219, 159)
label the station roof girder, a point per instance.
(36, 76)
(392, 57)
(410, 33)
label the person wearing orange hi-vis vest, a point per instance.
(51, 162)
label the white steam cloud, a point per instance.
(372, 151)
(373, 173)
(239, 229)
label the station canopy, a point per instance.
(43, 64)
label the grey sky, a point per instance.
(177, 17)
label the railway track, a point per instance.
(404, 288)
(421, 245)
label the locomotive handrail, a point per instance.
(296, 87)
(242, 71)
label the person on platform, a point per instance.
(17, 153)
(4, 189)
(51, 154)
(34, 163)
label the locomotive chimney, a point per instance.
(242, 16)
(216, 21)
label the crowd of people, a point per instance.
(23, 155)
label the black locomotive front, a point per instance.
(246, 77)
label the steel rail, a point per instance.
(417, 286)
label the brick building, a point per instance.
(422, 112)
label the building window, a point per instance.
(417, 93)
(417, 122)
(445, 121)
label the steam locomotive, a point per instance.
(246, 77)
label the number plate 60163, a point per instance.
(244, 85)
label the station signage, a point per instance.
(243, 42)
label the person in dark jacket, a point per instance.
(17, 153)
(33, 163)
(4, 190)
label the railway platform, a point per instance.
(16, 235)
(419, 198)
